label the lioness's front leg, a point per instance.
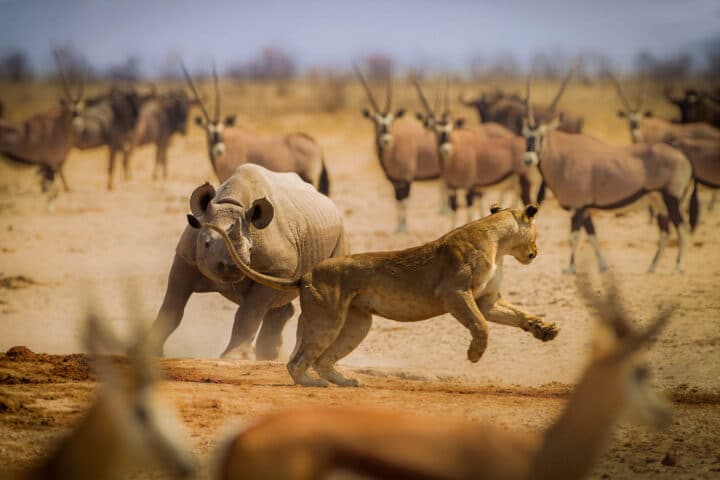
(508, 314)
(462, 306)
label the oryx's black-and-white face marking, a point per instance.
(534, 143)
(443, 129)
(76, 110)
(215, 133)
(634, 118)
(383, 126)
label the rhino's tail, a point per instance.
(324, 183)
(276, 283)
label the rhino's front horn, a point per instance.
(193, 221)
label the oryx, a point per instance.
(160, 118)
(45, 139)
(585, 174)
(230, 146)
(699, 141)
(406, 151)
(509, 110)
(471, 159)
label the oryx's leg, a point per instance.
(462, 306)
(126, 153)
(452, 201)
(470, 196)
(575, 223)
(651, 214)
(525, 189)
(443, 205)
(63, 180)
(713, 198)
(258, 301)
(158, 161)
(673, 206)
(269, 339)
(402, 192)
(664, 226)
(590, 230)
(164, 160)
(507, 314)
(540, 198)
(357, 325)
(111, 168)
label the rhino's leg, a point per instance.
(180, 286)
(357, 325)
(269, 340)
(251, 312)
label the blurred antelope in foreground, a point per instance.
(127, 429)
(473, 159)
(700, 142)
(314, 442)
(230, 146)
(586, 174)
(45, 139)
(406, 151)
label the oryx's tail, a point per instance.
(261, 278)
(324, 183)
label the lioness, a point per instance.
(459, 273)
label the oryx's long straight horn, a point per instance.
(423, 99)
(642, 93)
(368, 92)
(199, 100)
(63, 76)
(528, 98)
(563, 85)
(217, 94)
(620, 92)
(446, 102)
(388, 93)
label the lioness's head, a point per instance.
(524, 248)
(237, 219)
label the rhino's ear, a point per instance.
(261, 213)
(200, 199)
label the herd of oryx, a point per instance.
(270, 233)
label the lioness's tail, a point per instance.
(261, 278)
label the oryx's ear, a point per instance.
(530, 212)
(62, 102)
(366, 113)
(420, 116)
(200, 199)
(648, 113)
(459, 122)
(261, 213)
(199, 121)
(494, 208)
(621, 113)
(229, 121)
(399, 113)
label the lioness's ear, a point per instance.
(399, 113)
(261, 213)
(459, 123)
(200, 199)
(229, 120)
(494, 208)
(530, 212)
(199, 121)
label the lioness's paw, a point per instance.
(543, 331)
(476, 350)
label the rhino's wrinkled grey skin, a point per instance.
(280, 225)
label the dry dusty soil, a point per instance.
(97, 242)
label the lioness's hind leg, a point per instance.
(507, 314)
(357, 325)
(316, 334)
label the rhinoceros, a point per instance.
(280, 225)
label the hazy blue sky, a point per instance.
(445, 33)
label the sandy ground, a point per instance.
(97, 242)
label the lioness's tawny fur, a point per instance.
(459, 273)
